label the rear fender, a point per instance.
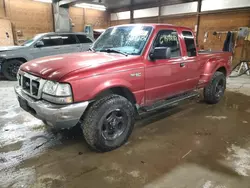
(210, 67)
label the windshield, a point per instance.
(31, 41)
(125, 39)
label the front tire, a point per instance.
(108, 123)
(10, 68)
(214, 91)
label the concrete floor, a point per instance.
(193, 145)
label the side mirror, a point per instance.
(39, 44)
(160, 53)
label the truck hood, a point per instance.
(8, 48)
(55, 67)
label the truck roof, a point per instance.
(156, 25)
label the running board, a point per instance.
(169, 102)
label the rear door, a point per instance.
(84, 41)
(69, 44)
(190, 59)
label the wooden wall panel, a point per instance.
(77, 16)
(30, 17)
(222, 22)
(98, 19)
(6, 37)
(81, 17)
(2, 14)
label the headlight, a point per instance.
(59, 93)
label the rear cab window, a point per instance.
(190, 43)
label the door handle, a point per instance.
(182, 64)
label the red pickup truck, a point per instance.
(129, 69)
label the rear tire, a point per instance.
(10, 68)
(214, 91)
(108, 123)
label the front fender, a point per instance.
(89, 87)
(111, 84)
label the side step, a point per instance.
(169, 102)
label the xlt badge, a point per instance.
(137, 74)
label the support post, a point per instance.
(198, 20)
(131, 12)
(62, 22)
(159, 11)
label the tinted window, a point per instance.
(52, 40)
(68, 39)
(168, 38)
(83, 39)
(190, 44)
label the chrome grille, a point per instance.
(31, 85)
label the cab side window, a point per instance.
(168, 38)
(52, 40)
(68, 39)
(190, 44)
(83, 39)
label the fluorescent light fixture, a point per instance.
(44, 1)
(91, 6)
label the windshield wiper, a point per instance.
(110, 50)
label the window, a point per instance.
(129, 39)
(168, 38)
(190, 44)
(68, 39)
(52, 40)
(83, 39)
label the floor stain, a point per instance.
(218, 137)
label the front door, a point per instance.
(166, 77)
(52, 46)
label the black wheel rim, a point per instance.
(13, 69)
(114, 124)
(219, 89)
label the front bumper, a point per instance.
(57, 116)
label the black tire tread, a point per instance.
(5, 67)
(89, 128)
(209, 96)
